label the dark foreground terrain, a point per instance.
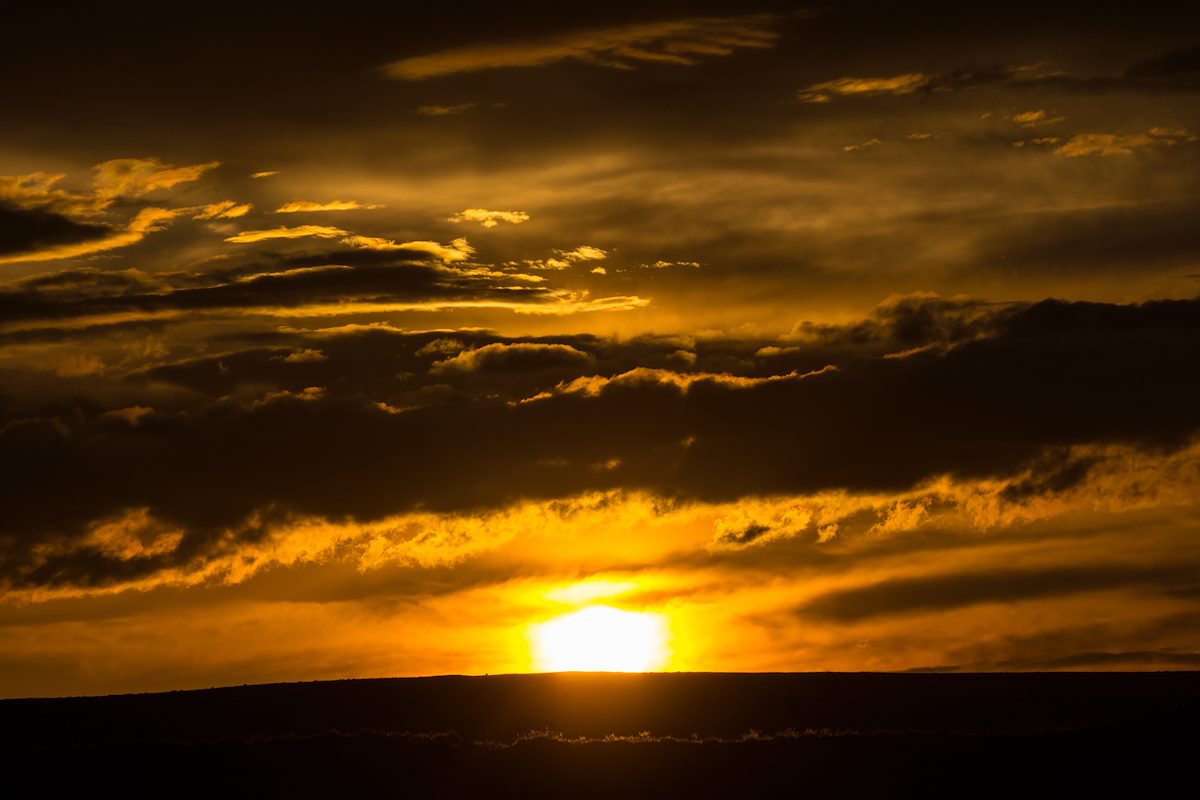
(595, 735)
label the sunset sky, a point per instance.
(364, 343)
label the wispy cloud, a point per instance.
(490, 219)
(682, 42)
(227, 209)
(849, 87)
(660, 264)
(284, 232)
(298, 206)
(565, 258)
(1118, 144)
(147, 221)
(914, 82)
(1175, 71)
(458, 249)
(868, 144)
(128, 178)
(1036, 118)
(134, 177)
(444, 111)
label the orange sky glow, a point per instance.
(719, 337)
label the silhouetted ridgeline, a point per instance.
(641, 735)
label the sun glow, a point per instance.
(600, 639)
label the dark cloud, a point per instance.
(1183, 63)
(397, 277)
(24, 230)
(1175, 71)
(914, 320)
(750, 533)
(1156, 235)
(1055, 472)
(371, 430)
(932, 594)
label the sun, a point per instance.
(600, 639)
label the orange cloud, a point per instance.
(227, 209)
(147, 221)
(1118, 144)
(444, 111)
(283, 232)
(457, 250)
(490, 219)
(680, 42)
(115, 179)
(297, 206)
(863, 87)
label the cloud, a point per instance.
(489, 219)
(1183, 63)
(265, 174)
(867, 145)
(1175, 71)
(664, 264)
(584, 252)
(444, 111)
(227, 209)
(297, 206)
(307, 355)
(130, 415)
(29, 230)
(565, 258)
(134, 177)
(123, 178)
(1103, 240)
(1033, 119)
(864, 87)
(413, 277)
(682, 42)
(284, 232)
(457, 250)
(44, 223)
(517, 357)
(1117, 144)
(229, 460)
(147, 221)
(937, 593)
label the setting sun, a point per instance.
(600, 639)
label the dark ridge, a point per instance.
(503, 707)
(606, 735)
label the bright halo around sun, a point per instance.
(601, 639)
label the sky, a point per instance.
(848, 337)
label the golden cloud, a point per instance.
(284, 232)
(679, 42)
(444, 111)
(489, 219)
(458, 249)
(115, 179)
(297, 206)
(1118, 144)
(227, 209)
(147, 221)
(863, 87)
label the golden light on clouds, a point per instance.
(490, 219)
(307, 206)
(786, 341)
(679, 42)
